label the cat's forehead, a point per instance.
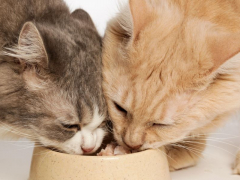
(173, 65)
(149, 103)
(74, 62)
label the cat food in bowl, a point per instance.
(146, 165)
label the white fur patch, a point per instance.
(96, 120)
(73, 145)
(90, 137)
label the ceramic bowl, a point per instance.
(146, 165)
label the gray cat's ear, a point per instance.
(30, 49)
(83, 17)
(31, 46)
(223, 46)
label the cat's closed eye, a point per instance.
(51, 75)
(120, 108)
(160, 125)
(73, 127)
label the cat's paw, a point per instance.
(236, 168)
(180, 158)
(236, 165)
(183, 155)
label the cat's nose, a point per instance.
(135, 147)
(87, 150)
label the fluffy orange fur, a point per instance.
(171, 73)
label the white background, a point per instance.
(15, 157)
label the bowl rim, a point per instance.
(97, 157)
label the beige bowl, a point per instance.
(146, 165)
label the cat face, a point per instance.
(59, 100)
(150, 106)
(162, 79)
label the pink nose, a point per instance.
(87, 150)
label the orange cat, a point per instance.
(171, 74)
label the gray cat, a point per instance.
(50, 75)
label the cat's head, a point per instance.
(163, 74)
(59, 103)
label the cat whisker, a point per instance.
(8, 128)
(28, 147)
(12, 141)
(213, 139)
(111, 132)
(194, 142)
(217, 140)
(20, 144)
(225, 134)
(220, 140)
(193, 150)
(109, 129)
(209, 138)
(165, 154)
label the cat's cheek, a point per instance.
(152, 145)
(118, 137)
(73, 145)
(100, 134)
(92, 140)
(89, 139)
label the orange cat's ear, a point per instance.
(141, 15)
(223, 47)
